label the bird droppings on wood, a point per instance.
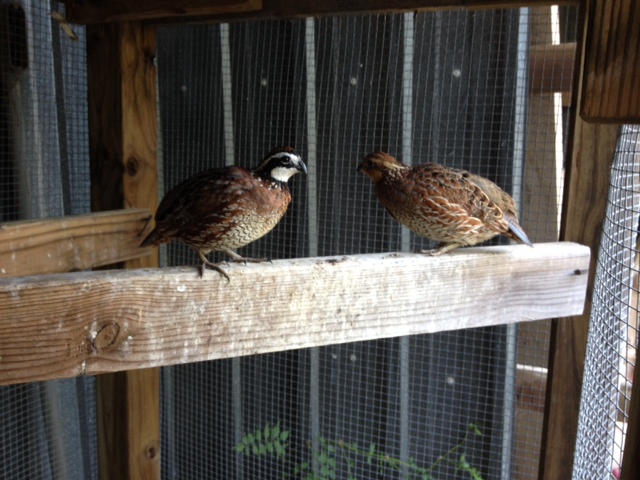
(358, 298)
(335, 261)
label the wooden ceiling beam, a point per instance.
(204, 11)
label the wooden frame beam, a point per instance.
(95, 322)
(584, 205)
(123, 141)
(67, 244)
(610, 91)
(187, 11)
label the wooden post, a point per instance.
(586, 191)
(123, 139)
(584, 209)
(612, 62)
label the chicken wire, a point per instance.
(447, 87)
(47, 429)
(613, 329)
(450, 87)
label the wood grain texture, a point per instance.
(541, 204)
(611, 68)
(89, 12)
(123, 143)
(584, 208)
(552, 68)
(93, 322)
(202, 11)
(72, 243)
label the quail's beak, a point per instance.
(301, 166)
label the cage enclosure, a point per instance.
(348, 355)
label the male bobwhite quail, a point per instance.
(450, 206)
(226, 208)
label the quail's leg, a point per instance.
(213, 266)
(440, 249)
(237, 258)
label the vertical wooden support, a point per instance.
(123, 140)
(583, 213)
(585, 199)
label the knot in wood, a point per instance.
(152, 450)
(132, 166)
(106, 336)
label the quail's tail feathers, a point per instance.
(150, 239)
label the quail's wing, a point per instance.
(203, 197)
(505, 202)
(456, 194)
(494, 192)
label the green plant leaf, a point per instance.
(371, 453)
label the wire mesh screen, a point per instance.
(47, 430)
(454, 88)
(613, 330)
(457, 88)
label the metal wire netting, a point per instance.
(447, 87)
(47, 429)
(613, 331)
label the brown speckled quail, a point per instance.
(450, 206)
(226, 208)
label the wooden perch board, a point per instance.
(72, 243)
(56, 326)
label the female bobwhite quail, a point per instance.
(450, 206)
(226, 208)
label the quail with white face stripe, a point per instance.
(222, 209)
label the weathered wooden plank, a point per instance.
(93, 322)
(186, 11)
(123, 143)
(66, 244)
(126, 11)
(612, 62)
